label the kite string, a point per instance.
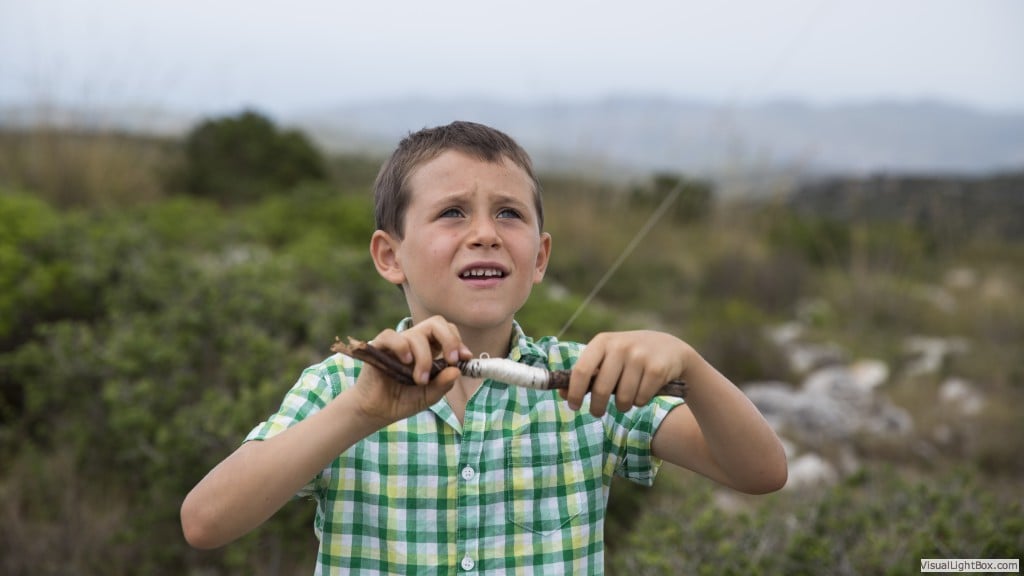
(666, 202)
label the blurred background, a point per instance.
(825, 198)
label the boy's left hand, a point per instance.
(631, 365)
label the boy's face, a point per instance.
(472, 249)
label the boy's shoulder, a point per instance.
(331, 375)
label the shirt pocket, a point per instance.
(545, 482)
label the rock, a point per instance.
(869, 373)
(887, 420)
(963, 395)
(804, 357)
(809, 470)
(785, 334)
(818, 418)
(854, 384)
(774, 400)
(833, 405)
(928, 353)
(961, 279)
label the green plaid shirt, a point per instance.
(520, 486)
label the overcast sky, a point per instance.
(290, 56)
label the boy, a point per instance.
(455, 475)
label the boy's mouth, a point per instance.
(482, 273)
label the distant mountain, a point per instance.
(949, 209)
(644, 134)
(623, 137)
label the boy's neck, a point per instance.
(494, 341)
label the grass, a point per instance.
(949, 489)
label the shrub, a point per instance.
(694, 201)
(878, 521)
(245, 157)
(818, 240)
(26, 225)
(192, 339)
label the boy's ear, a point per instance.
(543, 254)
(384, 251)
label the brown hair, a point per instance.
(391, 191)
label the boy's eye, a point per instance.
(451, 213)
(509, 213)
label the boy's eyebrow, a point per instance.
(463, 197)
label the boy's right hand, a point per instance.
(386, 400)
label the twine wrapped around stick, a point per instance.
(498, 369)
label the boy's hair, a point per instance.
(391, 190)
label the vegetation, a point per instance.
(150, 318)
(245, 157)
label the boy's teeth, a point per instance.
(481, 273)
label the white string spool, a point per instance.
(507, 371)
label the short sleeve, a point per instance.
(630, 435)
(316, 386)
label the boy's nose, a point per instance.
(484, 232)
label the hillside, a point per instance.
(954, 207)
(644, 134)
(146, 327)
(635, 135)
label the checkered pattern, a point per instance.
(521, 486)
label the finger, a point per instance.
(442, 383)
(450, 341)
(602, 388)
(446, 377)
(581, 375)
(629, 384)
(422, 354)
(445, 338)
(651, 382)
(395, 344)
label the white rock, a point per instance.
(804, 357)
(961, 278)
(930, 352)
(963, 394)
(869, 373)
(808, 470)
(786, 333)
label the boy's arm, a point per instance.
(256, 480)
(718, 432)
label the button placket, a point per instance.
(469, 513)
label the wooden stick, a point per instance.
(552, 380)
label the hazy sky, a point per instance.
(287, 56)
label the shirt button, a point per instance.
(467, 474)
(467, 563)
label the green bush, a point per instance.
(26, 225)
(818, 240)
(729, 333)
(346, 219)
(772, 282)
(192, 337)
(245, 157)
(137, 348)
(694, 201)
(878, 521)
